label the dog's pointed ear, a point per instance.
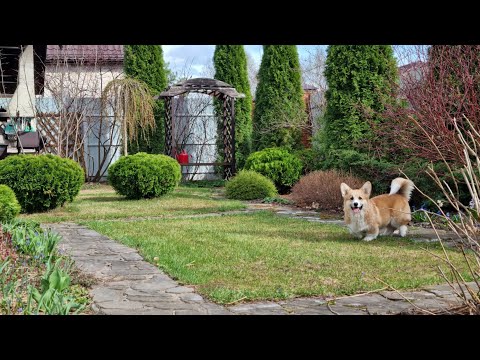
(344, 188)
(367, 188)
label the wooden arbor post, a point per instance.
(227, 95)
(168, 126)
(229, 168)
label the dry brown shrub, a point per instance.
(321, 189)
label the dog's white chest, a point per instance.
(357, 223)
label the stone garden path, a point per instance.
(126, 283)
(129, 285)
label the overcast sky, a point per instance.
(192, 60)
(196, 57)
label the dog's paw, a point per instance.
(403, 231)
(369, 238)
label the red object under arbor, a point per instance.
(182, 158)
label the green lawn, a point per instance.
(101, 202)
(266, 256)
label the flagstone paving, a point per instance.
(129, 285)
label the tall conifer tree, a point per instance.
(279, 99)
(145, 62)
(230, 63)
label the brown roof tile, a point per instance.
(90, 54)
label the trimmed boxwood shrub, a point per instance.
(9, 206)
(280, 166)
(41, 182)
(249, 185)
(144, 175)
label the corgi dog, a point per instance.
(381, 215)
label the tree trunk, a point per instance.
(125, 139)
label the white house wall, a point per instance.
(102, 142)
(80, 80)
(83, 85)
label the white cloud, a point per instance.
(193, 59)
(188, 60)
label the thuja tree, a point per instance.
(360, 81)
(279, 107)
(230, 63)
(145, 62)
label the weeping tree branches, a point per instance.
(132, 101)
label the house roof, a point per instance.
(412, 72)
(89, 54)
(416, 65)
(201, 85)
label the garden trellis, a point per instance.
(226, 94)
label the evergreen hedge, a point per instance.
(360, 80)
(230, 63)
(145, 62)
(279, 99)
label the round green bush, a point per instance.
(9, 206)
(249, 185)
(144, 175)
(41, 182)
(280, 166)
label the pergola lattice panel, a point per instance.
(226, 94)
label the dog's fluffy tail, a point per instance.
(402, 187)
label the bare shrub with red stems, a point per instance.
(437, 84)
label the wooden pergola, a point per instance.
(226, 94)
